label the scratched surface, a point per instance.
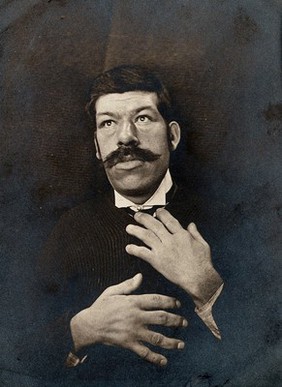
(222, 61)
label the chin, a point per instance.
(136, 185)
(135, 188)
(132, 190)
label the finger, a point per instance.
(146, 236)
(192, 228)
(126, 287)
(152, 224)
(157, 301)
(140, 252)
(148, 355)
(168, 220)
(163, 318)
(160, 340)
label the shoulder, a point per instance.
(202, 207)
(88, 220)
(87, 211)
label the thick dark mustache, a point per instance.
(120, 155)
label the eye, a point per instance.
(106, 124)
(143, 118)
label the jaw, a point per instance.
(136, 184)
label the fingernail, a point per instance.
(180, 345)
(163, 362)
(184, 323)
(178, 304)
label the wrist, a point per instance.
(82, 334)
(76, 332)
(204, 286)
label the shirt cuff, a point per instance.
(73, 360)
(205, 313)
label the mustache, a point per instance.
(121, 154)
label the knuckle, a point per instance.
(205, 246)
(144, 353)
(149, 234)
(173, 222)
(169, 223)
(156, 299)
(163, 318)
(159, 227)
(156, 339)
(107, 291)
(154, 359)
(178, 320)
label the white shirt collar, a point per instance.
(157, 199)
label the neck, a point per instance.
(141, 197)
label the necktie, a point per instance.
(152, 209)
(149, 211)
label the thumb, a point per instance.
(126, 287)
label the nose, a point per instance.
(127, 134)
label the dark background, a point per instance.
(222, 62)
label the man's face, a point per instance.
(130, 125)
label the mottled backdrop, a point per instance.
(222, 61)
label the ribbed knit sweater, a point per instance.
(85, 254)
(87, 246)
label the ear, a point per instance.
(98, 153)
(174, 134)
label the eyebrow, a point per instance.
(138, 110)
(143, 108)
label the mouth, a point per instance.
(128, 163)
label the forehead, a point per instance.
(126, 102)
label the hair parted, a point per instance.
(129, 78)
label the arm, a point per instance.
(121, 319)
(182, 256)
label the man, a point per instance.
(115, 268)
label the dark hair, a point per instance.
(129, 78)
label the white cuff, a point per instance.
(205, 313)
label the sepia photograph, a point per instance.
(140, 193)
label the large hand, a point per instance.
(118, 318)
(182, 256)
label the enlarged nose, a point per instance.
(127, 134)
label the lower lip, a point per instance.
(127, 165)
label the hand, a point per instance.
(182, 256)
(118, 318)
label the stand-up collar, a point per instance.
(157, 199)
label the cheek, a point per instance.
(158, 142)
(104, 147)
(162, 146)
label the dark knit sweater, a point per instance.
(87, 247)
(85, 254)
